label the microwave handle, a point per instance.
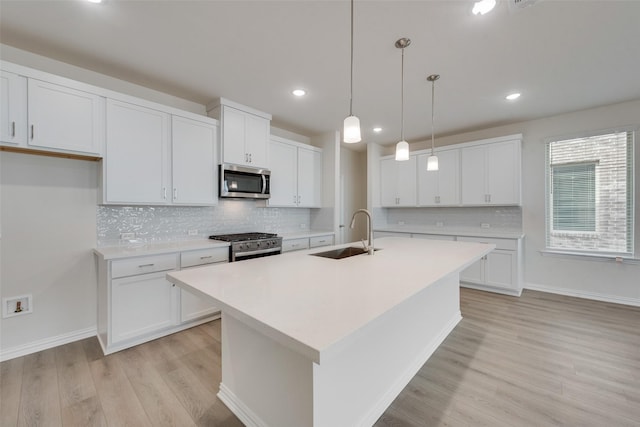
(264, 184)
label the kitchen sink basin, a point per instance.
(342, 252)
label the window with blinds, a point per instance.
(590, 194)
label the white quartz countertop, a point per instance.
(115, 252)
(449, 231)
(310, 303)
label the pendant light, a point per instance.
(402, 147)
(351, 130)
(432, 160)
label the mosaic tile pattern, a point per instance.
(167, 223)
(508, 218)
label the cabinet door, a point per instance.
(474, 273)
(65, 118)
(503, 173)
(388, 183)
(309, 178)
(233, 136)
(194, 165)
(141, 305)
(283, 166)
(428, 191)
(13, 108)
(257, 130)
(474, 169)
(500, 269)
(448, 177)
(406, 182)
(137, 168)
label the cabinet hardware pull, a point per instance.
(13, 129)
(164, 193)
(250, 159)
(206, 257)
(32, 132)
(175, 194)
(146, 265)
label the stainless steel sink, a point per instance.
(342, 252)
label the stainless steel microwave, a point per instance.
(244, 182)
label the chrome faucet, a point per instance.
(369, 247)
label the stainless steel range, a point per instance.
(251, 245)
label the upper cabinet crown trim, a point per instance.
(295, 143)
(228, 103)
(100, 91)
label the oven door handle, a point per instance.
(258, 252)
(264, 184)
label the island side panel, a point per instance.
(358, 379)
(264, 383)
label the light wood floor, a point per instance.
(537, 360)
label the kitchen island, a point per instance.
(312, 341)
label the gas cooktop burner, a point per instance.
(241, 237)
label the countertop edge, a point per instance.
(452, 232)
(118, 252)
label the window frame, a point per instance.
(630, 195)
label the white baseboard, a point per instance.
(584, 294)
(46, 343)
(240, 410)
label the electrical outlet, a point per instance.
(15, 306)
(303, 226)
(400, 222)
(193, 232)
(439, 224)
(485, 225)
(127, 236)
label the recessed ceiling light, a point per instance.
(299, 92)
(512, 96)
(377, 129)
(483, 6)
(94, 1)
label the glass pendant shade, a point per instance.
(351, 131)
(432, 163)
(402, 151)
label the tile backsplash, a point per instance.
(167, 223)
(504, 218)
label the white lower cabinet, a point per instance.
(499, 271)
(137, 304)
(141, 305)
(301, 243)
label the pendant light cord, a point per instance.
(402, 99)
(351, 82)
(433, 90)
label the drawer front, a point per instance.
(315, 242)
(506, 244)
(203, 257)
(143, 265)
(295, 244)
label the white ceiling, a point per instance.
(562, 55)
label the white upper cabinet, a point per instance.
(296, 174)
(63, 118)
(398, 182)
(194, 166)
(441, 187)
(491, 174)
(245, 133)
(13, 109)
(137, 165)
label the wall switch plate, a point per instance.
(15, 306)
(485, 225)
(127, 236)
(193, 232)
(439, 224)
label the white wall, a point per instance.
(48, 212)
(574, 276)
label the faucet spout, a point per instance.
(369, 248)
